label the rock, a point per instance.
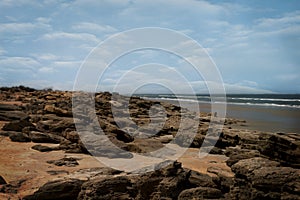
(107, 188)
(12, 115)
(41, 148)
(2, 181)
(237, 154)
(17, 125)
(71, 136)
(7, 133)
(260, 178)
(58, 190)
(284, 148)
(40, 137)
(69, 162)
(19, 137)
(50, 109)
(200, 193)
(197, 179)
(245, 167)
(70, 147)
(164, 183)
(57, 172)
(9, 107)
(12, 187)
(96, 172)
(55, 124)
(167, 182)
(224, 179)
(276, 179)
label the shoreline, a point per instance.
(260, 118)
(40, 141)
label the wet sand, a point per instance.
(261, 118)
(273, 119)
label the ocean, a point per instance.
(263, 112)
(265, 100)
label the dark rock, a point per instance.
(57, 172)
(259, 178)
(17, 125)
(276, 179)
(284, 148)
(123, 136)
(12, 187)
(107, 188)
(71, 136)
(7, 133)
(2, 181)
(237, 154)
(200, 193)
(245, 167)
(40, 137)
(55, 124)
(12, 115)
(69, 162)
(70, 147)
(41, 148)
(58, 190)
(50, 109)
(9, 107)
(197, 179)
(19, 137)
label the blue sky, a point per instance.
(255, 44)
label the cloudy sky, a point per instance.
(255, 44)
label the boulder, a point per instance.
(197, 179)
(12, 115)
(40, 137)
(41, 148)
(19, 137)
(58, 190)
(237, 154)
(17, 125)
(260, 178)
(284, 148)
(244, 168)
(67, 161)
(107, 188)
(51, 109)
(200, 193)
(55, 124)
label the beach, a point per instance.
(55, 145)
(275, 118)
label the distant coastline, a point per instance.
(262, 112)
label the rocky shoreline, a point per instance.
(259, 165)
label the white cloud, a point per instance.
(25, 27)
(286, 20)
(17, 27)
(18, 64)
(93, 27)
(2, 51)
(46, 56)
(46, 70)
(248, 83)
(71, 36)
(43, 20)
(67, 64)
(19, 3)
(51, 57)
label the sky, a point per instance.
(254, 44)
